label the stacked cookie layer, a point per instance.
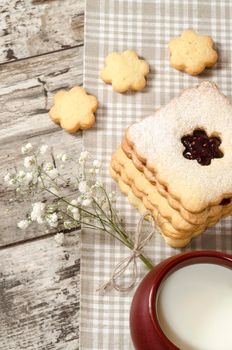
(184, 196)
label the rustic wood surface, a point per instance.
(41, 51)
(39, 295)
(25, 97)
(34, 27)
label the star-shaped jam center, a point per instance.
(201, 147)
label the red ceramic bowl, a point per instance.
(145, 330)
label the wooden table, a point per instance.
(41, 51)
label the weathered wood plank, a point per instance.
(34, 27)
(39, 295)
(26, 91)
(27, 88)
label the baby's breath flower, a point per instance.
(76, 214)
(96, 164)
(83, 157)
(21, 173)
(53, 173)
(12, 181)
(43, 149)
(36, 180)
(67, 224)
(80, 199)
(73, 210)
(48, 166)
(86, 202)
(37, 213)
(69, 208)
(72, 205)
(64, 157)
(59, 238)
(51, 208)
(27, 149)
(29, 162)
(28, 178)
(23, 224)
(74, 202)
(83, 186)
(58, 156)
(52, 219)
(7, 177)
(40, 220)
(20, 176)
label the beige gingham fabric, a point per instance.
(145, 26)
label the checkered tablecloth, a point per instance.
(145, 26)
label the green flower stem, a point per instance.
(94, 227)
(65, 201)
(49, 177)
(147, 262)
(125, 240)
(130, 245)
(109, 222)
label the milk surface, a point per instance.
(194, 307)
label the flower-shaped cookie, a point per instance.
(74, 109)
(192, 52)
(125, 71)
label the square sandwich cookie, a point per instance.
(178, 163)
(187, 144)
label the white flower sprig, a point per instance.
(68, 202)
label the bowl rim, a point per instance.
(173, 264)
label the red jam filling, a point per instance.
(201, 147)
(225, 201)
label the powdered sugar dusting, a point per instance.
(158, 139)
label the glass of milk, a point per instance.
(185, 303)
